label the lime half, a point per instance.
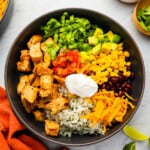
(134, 134)
(130, 146)
(149, 142)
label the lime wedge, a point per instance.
(134, 133)
(149, 142)
(130, 146)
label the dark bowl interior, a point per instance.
(12, 75)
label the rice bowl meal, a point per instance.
(76, 78)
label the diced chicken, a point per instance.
(25, 55)
(39, 116)
(59, 79)
(24, 64)
(34, 40)
(55, 91)
(36, 53)
(40, 70)
(46, 82)
(29, 93)
(36, 81)
(28, 106)
(31, 77)
(47, 60)
(42, 103)
(51, 128)
(45, 93)
(23, 81)
(56, 105)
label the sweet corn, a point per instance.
(108, 63)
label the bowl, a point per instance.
(12, 75)
(141, 4)
(3, 9)
(129, 1)
(6, 15)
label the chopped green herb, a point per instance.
(143, 16)
(70, 31)
(52, 49)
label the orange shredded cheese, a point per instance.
(108, 108)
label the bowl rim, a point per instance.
(32, 130)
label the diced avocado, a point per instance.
(116, 38)
(92, 40)
(96, 49)
(86, 56)
(114, 46)
(110, 35)
(109, 46)
(98, 32)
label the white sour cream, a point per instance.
(81, 85)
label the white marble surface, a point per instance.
(24, 11)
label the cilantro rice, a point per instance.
(70, 119)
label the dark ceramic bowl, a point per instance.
(12, 75)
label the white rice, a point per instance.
(70, 120)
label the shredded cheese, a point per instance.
(108, 108)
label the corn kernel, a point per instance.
(126, 53)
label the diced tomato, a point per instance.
(66, 63)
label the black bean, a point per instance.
(123, 85)
(132, 76)
(110, 84)
(103, 86)
(114, 79)
(128, 85)
(126, 89)
(120, 93)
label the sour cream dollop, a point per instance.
(81, 85)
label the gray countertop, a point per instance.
(25, 11)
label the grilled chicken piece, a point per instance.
(46, 82)
(51, 128)
(31, 77)
(24, 65)
(56, 105)
(45, 93)
(42, 103)
(23, 81)
(55, 91)
(29, 93)
(36, 53)
(36, 81)
(28, 106)
(59, 79)
(39, 116)
(40, 69)
(25, 55)
(34, 40)
(47, 60)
